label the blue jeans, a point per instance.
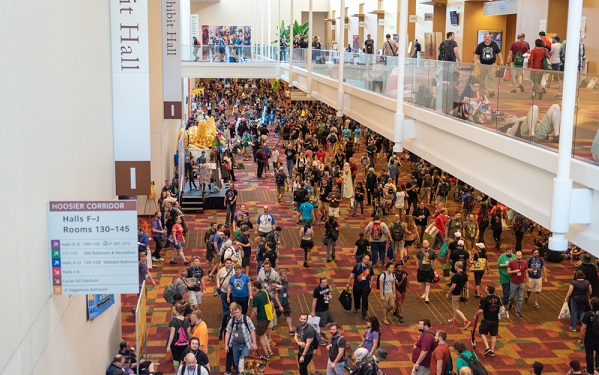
(339, 368)
(225, 304)
(231, 208)
(516, 289)
(576, 313)
(239, 350)
(361, 203)
(505, 287)
(290, 165)
(378, 251)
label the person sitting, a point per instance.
(128, 351)
(474, 106)
(116, 365)
(530, 126)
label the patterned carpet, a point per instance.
(538, 335)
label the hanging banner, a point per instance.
(195, 26)
(130, 96)
(171, 59)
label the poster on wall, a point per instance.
(496, 36)
(97, 304)
(217, 37)
(355, 43)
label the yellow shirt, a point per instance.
(201, 332)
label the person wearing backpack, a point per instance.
(386, 285)
(240, 337)
(178, 339)
(331, 236)
(378, 232)
(448, 49)
(336, 349)
(441, 362)
(466, 358)
(516, 59)
(304, 337)
(397, 230)
(589, 336)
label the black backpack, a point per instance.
(475, 365)
(443, 189)
(444, 53)
(378, 281)
(397, 232)
(299, 195)
(448, 370)
(280, 179)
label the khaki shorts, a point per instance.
(388, 300)
(281, 190)
(334, 211)
(455, 302)
(535, 285)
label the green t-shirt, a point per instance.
(504, 277)
(260, 299)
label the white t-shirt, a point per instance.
(387, 282)
(400, 197)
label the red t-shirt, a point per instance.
(547, 43)
(514, 265)
(178, 232)
(321, 155)
(426, 342)
(440, 352)
(440, 221)
(518, 47)
(535, 60)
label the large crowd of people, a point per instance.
(314, 160)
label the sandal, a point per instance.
(386, 322)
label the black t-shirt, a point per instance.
(271, 255)
(306, 332)
(231, 194)
(458, 255)
(197, 273)
(201, 357)
(322, 298)
(401, 276)
(359, 194)
(487, 53)
(247, 250)
(362, 247)
(490, 306)
(362, 276)
(290, 154)
(336, 343)
(421, 212)
(369, 44)
(459, 279)
(449, 45)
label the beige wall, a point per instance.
(474, 21)
(56, 144)
(591, 41)
(557, 14)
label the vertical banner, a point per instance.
(171, 59)
(130, 96)
(141, 322)
(195, 26)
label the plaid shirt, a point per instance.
(245, 329)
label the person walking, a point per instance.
(536, 269)
(441, 355)
(372, 335)
(489, 326)
(305, 335)
(378, 232)
(321, 298)
(589, 337)
(306, 243)
(336, 349)
(423, 348)
(459, 287)
(260, 303)
(517, 269)
(578, 297)
(240, 335)
(425, 263)
(486, 55)
(480, 264)
(331, 236)
(386, 283)
(361, 281)
(504, 278)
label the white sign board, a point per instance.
(172, 87)
(382, 22)
(413, 18)
(93, 247)
(195, 26)
(361, 24)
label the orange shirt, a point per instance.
(535, 60)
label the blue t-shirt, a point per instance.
(143, 240)
(306, 209)
(357, 133)
(239, 285)
(534, 267)
(346, 133)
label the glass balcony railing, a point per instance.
(521, 103)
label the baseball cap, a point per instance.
(360, 353)
(460, 243)
(381, 353)
(480, 245)
(457, 234)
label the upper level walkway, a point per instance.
(496, 137)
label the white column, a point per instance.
(269, 32)
(341, 49)
(562, 184)
(290, 44)
(401, 67)
(278, 49)
(261, 29)
(309, 55)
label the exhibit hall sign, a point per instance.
(130, 96)
(93, 247)
(172, 88)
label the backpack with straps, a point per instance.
(181, 335)
(397, 232)
(444, 53)
(518, 59)
(475, 365)
(448, 369)
(178, 286)
(443, 189)
(376, 231)
(470, 202)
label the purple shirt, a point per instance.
(156, 224)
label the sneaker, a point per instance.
(519, 314)
(452, 321)
(211, 278)
(155, 259)
(466, 324)
(537, 306)
(521, 88)
(488, 352)
(272, 343)
(513, 91)
(355, 311)
(526, 299)
(172, 262)
(572, 329)
(291, 333)
(395, 313)
(558, 96)
(401, 319)
(426, 301)
(422, 296)
(510, 307)
(187, 263)
(492, 354)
